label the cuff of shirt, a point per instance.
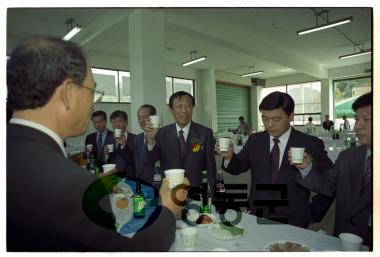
(304, 172)
(225, 163)
(150, 147)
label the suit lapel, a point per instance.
(192, 135)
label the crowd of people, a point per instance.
(50, 90)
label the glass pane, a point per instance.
(183, 85)
(125, 86)
(267, 90)
(107, 81)
(346, 92)
(298, 120)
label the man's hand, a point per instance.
(306, 160)
(173, 199)
(150, 132)
(227, 155)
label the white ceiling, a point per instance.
(232, 38)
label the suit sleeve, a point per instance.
(240, 162)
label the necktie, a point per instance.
(99, 145)
(275, 158)
(181, 140)
(368, 172)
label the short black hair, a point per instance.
(118, 113)
(179, 94)
(241, 118)
(310, 118)
(278, 100)
(99, 113)
(38, 66)
(152, 109)
(362, 101)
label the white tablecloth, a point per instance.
(257, 236)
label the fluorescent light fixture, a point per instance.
(355, 54)
(75, 30)
(194, 61)
(326, 25)
(252, 74)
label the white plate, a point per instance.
(266, 248)
(218, 232)
(192, 217)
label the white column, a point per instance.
(206, 111)
(146, 63)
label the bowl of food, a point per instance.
(287, 246)
(201, 219)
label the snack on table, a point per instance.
(204, 219)
(122, 203)
(287, 247)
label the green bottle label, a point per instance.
(138, 206)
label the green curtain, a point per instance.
(232, 102)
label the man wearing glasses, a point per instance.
(51, 90)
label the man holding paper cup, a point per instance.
(266, 155)
(144, 170)
(350, 181)
(122, 150)
(96, 141)
(184, 144)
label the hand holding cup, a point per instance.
(221, 149)
(298, 157)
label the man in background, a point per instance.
(244, 127)
(100, 138)
(327, 123)
(122, 155)
(346, 123)
(144, 170)
(51, 91)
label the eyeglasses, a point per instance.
(98, 94)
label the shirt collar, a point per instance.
(284, 137)
(184, 129)
(41, 128)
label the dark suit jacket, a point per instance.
(124, 158)
(144, 170)
(195, 160)
(255, 156)
(344, 181)
(45, 206)
(91, 139)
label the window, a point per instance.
(117, 85)
(346, 91)
(177, 84)
(232, 102)
(307, 100)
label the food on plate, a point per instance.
(204, 219)
(287, 246)
(122, 203)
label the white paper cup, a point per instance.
(224, 143)
(117, 132)
(108, 167)
(350, 242)
(155, 119)
(110, 148)
(297, 154)
(89, 147)
(174, 176)
(189, 236)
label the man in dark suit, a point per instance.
(350, 180)
(183, 144)
(327, 123)
(144, 170)
(266, 155)
(99, 139)
(51, 90)
(122, 155)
